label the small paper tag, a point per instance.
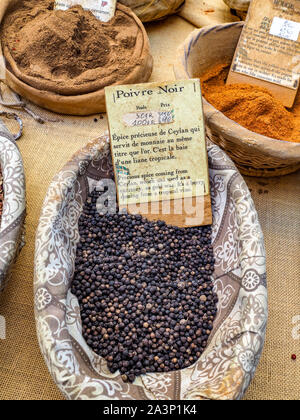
(268, 52)
(104, 10)
(159, 150)
(286, 29)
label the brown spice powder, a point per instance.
(251, 106)
(70, 51)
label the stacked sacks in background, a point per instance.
(207, 12)
(240, 6)
(148, 10)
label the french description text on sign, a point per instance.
(158, 141)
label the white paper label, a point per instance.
(286, 29)
(104, 10)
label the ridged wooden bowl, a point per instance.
(254, 154)
(228, 364)
(86, 103)
(12, 231)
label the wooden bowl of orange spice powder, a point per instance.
(255, 129)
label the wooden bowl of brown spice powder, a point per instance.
(63, 60)
(259, 134)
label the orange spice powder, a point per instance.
(252, 107)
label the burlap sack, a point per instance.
(227, 366)
(207, 12)
(23, 373)
(241, 5)
(13, 216)
(148, 10)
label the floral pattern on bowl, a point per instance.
(12, 231)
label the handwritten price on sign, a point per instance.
(286, 29)
(135, 119)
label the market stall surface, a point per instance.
(46, 148)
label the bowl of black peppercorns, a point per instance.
(128, 308)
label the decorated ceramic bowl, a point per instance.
(12, 221)
(228, 364)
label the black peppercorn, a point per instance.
(145, 291)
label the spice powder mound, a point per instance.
(68, 52)
(145, 291)
(252, 107)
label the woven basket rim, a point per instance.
(238, 134)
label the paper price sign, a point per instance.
(268, 51)
(158, 148)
